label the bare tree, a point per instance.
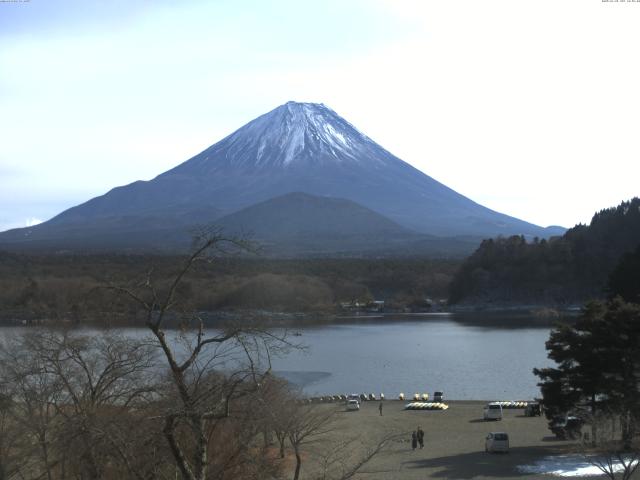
(278, 403)
(76, 393)
(239, 356)
(236, 448)
(102, 376)
(104, 405)
(12, 439)
(307, 425)
(347, 458)
(612, 451)
(34, 396)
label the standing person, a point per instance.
(420, 435)
(380, 408)
(414, 440)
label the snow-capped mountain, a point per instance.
(297, 147)
(293, 135)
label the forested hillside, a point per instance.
(561, 270)
(66, 287)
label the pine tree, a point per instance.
(624, 280)
(598, 366)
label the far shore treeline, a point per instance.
(503, 272)
(68, 287)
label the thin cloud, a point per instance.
(32, 221)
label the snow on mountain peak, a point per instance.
(290, 135)
(310, 128)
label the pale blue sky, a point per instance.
(527, 107)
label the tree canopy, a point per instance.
(598, 365)
(624, 281)
(562, 270)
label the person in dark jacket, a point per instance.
(420, 435)
(414, 440)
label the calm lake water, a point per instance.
(483, 357)
(467, 358)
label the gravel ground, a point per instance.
(454, 442)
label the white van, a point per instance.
(353, 405)
(496, 442)
(493, 411)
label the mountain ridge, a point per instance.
(297, 147)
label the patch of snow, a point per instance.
(294, 145)
(333, 133)
(261, 147)
(566, 466)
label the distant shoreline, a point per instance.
(467, 314)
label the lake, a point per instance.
(468, 357)
(475, 357)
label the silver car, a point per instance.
(496, 442)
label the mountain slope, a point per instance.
(300, 214)
(299, 224)
(297, 147)
(292, 225)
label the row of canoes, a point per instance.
(512, 404)
(417, 397)
(363, 397)
(426, 406)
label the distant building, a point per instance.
(359, 306)
(376, 306)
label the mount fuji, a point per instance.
(302, 148)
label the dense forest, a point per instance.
(560, 271)
(71, 286)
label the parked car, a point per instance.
(533, 409)
(567, 427)
(438, 396)
(496, 442)
(353, 405)
(492, 411)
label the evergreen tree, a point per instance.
(598, 366)
(624, 280)
(563, 270)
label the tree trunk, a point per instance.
(627, 434)
(89, 466)
(201, 448)
(181, 462)
(594, 427)
(296, 474)
(45, 456)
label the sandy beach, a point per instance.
(454, 442)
